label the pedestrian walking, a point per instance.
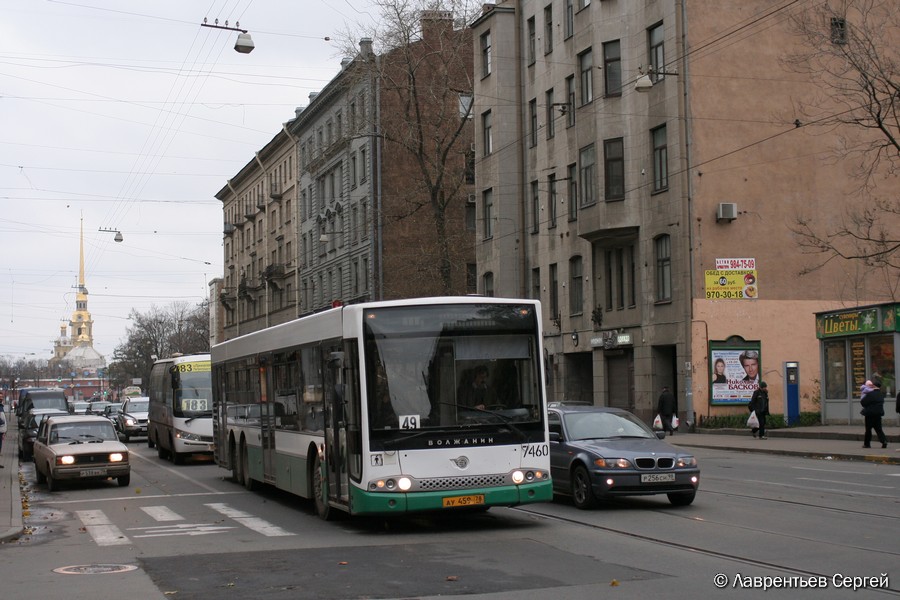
(2, 430)
(759, 403)
(873, 410)
(666, 408)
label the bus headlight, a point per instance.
(400, 483)
(518, 477)
(187, 435)
(404, 483)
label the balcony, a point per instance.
(228, 228)
(274, 271)
(275, 191)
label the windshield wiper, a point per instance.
(506, 420)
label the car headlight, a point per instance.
(686, 461)
(612, 463)
(116, 457)
(129, 421)
(65, 460)
(187, 435)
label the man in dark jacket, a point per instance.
(666, 407)
(873, 410)
(759, 403)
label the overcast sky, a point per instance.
(131, 116)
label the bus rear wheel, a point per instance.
(249, 482)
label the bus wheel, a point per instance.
(233, 461)
(320, 490)
(160, 451)
(249, 482)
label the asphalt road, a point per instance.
(187, 532)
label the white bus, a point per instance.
(363, 408)
(180, 417)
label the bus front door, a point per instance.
(267, 428)
(336, 432)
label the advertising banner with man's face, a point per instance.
(734, 375)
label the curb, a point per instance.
(873, 458)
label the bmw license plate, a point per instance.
(454, 501)
(93, 472)
(657, 477)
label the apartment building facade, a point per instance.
(377, 203)
(639, 165)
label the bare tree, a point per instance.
(852, 47)
(160, 332)
(424, 75)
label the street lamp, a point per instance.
(118, 233)
(244, 43)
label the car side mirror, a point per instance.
(661, 435)
(554, 436)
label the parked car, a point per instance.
(28, 434)
(598, 453)
(132, 419)
(79, 448)
(41, 399)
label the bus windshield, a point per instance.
(449, 367)
(194, 396)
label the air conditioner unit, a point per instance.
(727, 211)
(471, 199)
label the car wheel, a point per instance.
(582, 491)
(150, 443)
(320, 490)
(38, 475)
(681, 498)
(52, 484)
(124, 480)
(127, 437)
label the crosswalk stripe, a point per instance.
(249, 521)
(162, 513)
(104, 533)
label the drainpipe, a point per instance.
(683, 80)
(295, 218)
(265, 228)
(237, 300)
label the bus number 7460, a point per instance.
(536, 450)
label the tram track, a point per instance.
(730, 556)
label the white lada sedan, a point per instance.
(79, 448)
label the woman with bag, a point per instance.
(2, 429)
(759, 404)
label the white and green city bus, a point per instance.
(179, 420)
(363, 407)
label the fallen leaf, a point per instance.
(614, 583)
(452, 578)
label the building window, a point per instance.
(470, 215)
(552, 199)
(586, 68)
(657, 53)
(838, 30)
(466, 103)
(486, 54)
(619, 277)
(614, 169)
(471, 278)
(663, 247)
(548, 29)
(612, 69)
(583, 4)
(531, 40)
(587, 177)
(535, 207)
(550, 116)
(487, 212)
(576, 286)
(363, 165)
(532, 119)
(486, 133)
(570, 18)
(660, 159)
(470, 166)
(572, 178)
(554, 292)
(536, 284)
(570, 101)
(488, 280)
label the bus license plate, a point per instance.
(472, 500)
(93, 472)
(657, 477)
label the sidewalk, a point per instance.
(832, 442)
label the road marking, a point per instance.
(180, 529)
(103, 532)
(162, 513)
(249, 521)
(882, 487)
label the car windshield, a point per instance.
(74, 433)
(605, 425)
(138, 407)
